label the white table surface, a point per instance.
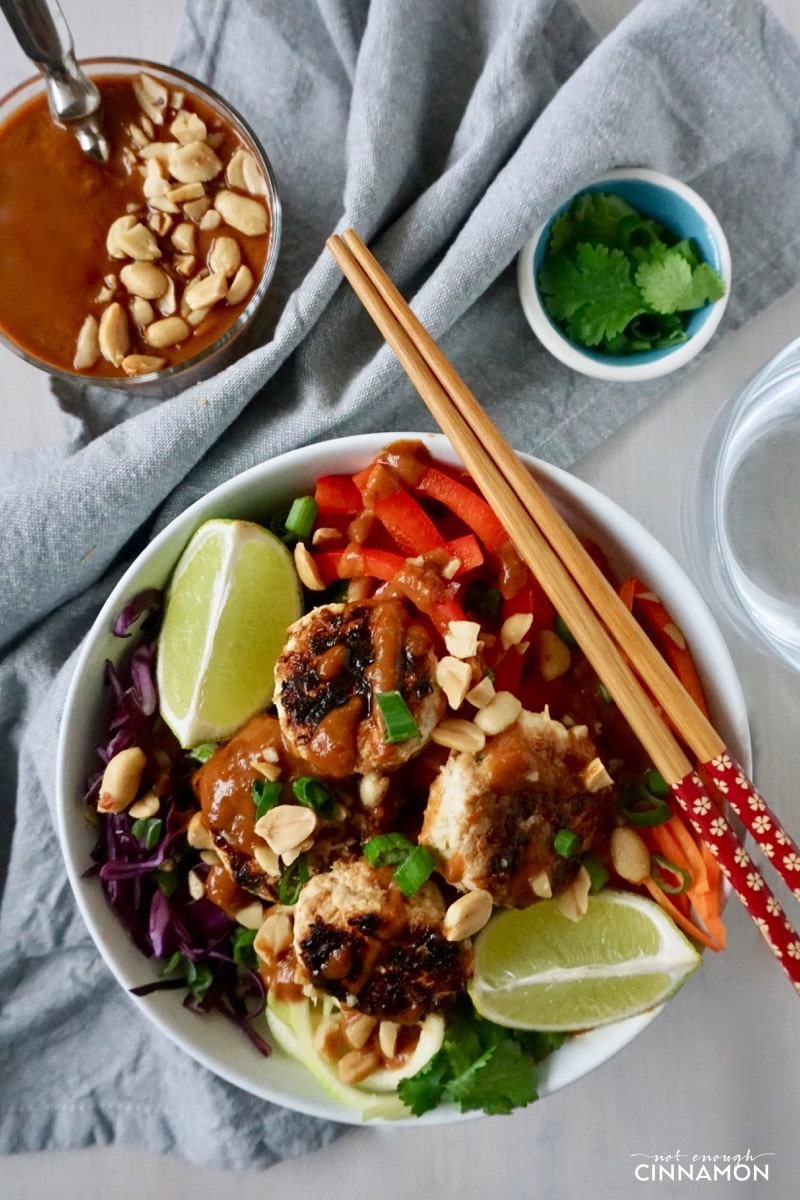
(719, 1072)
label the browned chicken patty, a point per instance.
(337, 659)
(492, 817)
(358, 938)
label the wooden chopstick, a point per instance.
(483, 450)
(691, 724)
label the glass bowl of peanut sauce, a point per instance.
(147, 272)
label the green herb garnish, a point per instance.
(301, 517)
(314, 794)
(618, 282)
(148, 831)
(480, 1066)
(565, 842)
(292, 880)
(398, 721)
(412, 864)
(266, 794)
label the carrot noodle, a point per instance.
(680, 918)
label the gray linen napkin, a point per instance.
(445, 133)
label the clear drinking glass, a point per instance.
(748, 507)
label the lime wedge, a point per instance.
(535, 969)
(233, 595)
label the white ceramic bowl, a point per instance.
(679, 209)
(255, 494)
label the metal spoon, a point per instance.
(42, 31)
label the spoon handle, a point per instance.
(44, 36)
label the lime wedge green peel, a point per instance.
(233, 595)
(535, 969)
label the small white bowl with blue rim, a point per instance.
(686, 215)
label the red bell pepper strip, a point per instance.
(467, 550)
(337, 494)
(406, 520)
(466, 504)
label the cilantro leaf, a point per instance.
(618, 280)
(706, 287)
(595, 294)
(502, 1079)
(480, 1066)
(593, 217)
(672, 285)
(665, 283)
(425, 1090)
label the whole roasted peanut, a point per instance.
(467, 915)
(225, 256)
(113, 335)
(142, 364)
(87, 349)
(629, 854)
(241, 286)
(241, 213)
(144, 279)
(202, 293)
(166, 332)
(121, 779)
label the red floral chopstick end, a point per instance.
(741, 871)
(730, 780)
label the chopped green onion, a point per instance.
(148, 830)
(399, 724)
(175, 962)
(292, 880)
(203, 752)
(242, 947)
(645, 809)
(313, 793)
(598, 873)
(565, 842)
(387, 849)
(484, 601)
(562, 629)
(655, 783)
(167, 881)
(604, 693)
(414, 870)
(301, 517)
(199, 978)
(669, 876)
(266, 794)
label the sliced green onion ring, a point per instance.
(669, 876)
(314, 794)
(266, 794)
(565, 842)
(646, 809)
(148, 830)
(292, 880)
(399, 724)
(418, 866)
(599, 874)
(387, 849)
(301, 517)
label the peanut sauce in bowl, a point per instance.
(140, 272)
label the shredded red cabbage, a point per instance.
(143, 604)
(153, 902)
